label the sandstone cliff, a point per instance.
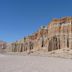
(57, 35)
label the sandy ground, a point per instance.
(34, 64)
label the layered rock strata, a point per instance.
(57, 35)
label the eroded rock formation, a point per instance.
(2, 46)
(57, 35)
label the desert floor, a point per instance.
(9, 63)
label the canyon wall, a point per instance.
(57, 35)
(2, 46)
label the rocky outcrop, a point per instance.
(2, 46)
(57, 35)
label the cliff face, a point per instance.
(57, 35)
(2, 46)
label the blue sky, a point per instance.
(19, 18)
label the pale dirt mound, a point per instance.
(63, 53)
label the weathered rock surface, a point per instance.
(57, 35)
(2, 46)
